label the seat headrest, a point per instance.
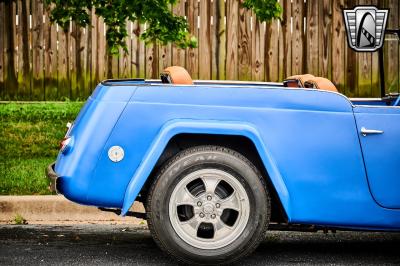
(320, 84)
(176, 75)
(297, 81)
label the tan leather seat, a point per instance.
(320, 84)
(176, 75)
(297, 81)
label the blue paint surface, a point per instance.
(324, 171)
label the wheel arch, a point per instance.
(240, 136)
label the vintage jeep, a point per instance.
(217, 164)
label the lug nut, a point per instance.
(213, 216)
(209, 197)
(217, 205)
(201, 215)
(199, 203)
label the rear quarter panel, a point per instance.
(310, 136)
(89, 134)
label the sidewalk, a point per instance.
(58, 210)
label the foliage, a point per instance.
(265, 10)
(162, 25)
(18, 219)
(29, 138)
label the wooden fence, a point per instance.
(39, 61)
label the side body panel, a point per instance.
(307, 139)
(382, 152)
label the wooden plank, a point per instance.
(151, 61)
(14, 65)
(5, 50)
(89, 55)
(286, 53)
(81, 62)
(123, 58)
(38, 51)
(74, 66)
(10, 91)
(219, 40)
(338, 46)
(138, 52)
(312, 35)
(92, 53)
(115, 66)
(164, 56)
(62, 63)
(244, 43)
(351, 83)
(142, 54)
(17, 51)
(391, 49)
(111, 61)
(2, 32)
(125, 70)
(213, 41)
(205, 37)
(259, 44)
(192, 63)
(101, 51)
(135, 50)
(232, 39)
(298, 37)
(14, 50)
(111, 64)
(272, 51)
(325, 39)
(50, 58)
(108, 64)
(165, 51)
(281, 55)
(24, 51)
(364, 68)
(177, 55)
(375, 89)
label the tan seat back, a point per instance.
(297, 81)
(320, 84)
(176, 75)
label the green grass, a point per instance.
(18, 219)
(29, 138)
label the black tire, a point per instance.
(192, 159)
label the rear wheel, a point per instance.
(208, 205)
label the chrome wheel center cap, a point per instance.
(208, 208)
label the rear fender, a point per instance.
(179, 126)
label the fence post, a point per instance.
(232, 20)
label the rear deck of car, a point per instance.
(386, 101)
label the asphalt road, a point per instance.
(132, 245)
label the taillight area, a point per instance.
(66, 142)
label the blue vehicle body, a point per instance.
(323, 169)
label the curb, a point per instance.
(56, 209)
